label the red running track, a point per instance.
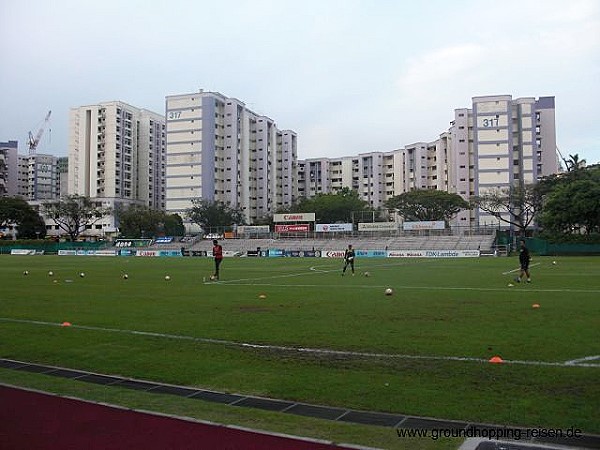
(37, 421)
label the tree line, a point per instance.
(560, 205)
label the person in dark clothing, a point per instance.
(218, 255)
(349, 259)
(524, 258)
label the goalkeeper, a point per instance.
(349, 259)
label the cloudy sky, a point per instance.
(348, 76)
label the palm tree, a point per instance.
(574, 163)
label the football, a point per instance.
(82, 274)
(367, 274)
(389, 291)
(167, 277)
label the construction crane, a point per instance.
(32, 142)
(563, 159)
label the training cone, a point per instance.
(65, 324)
(496, 360)
(262, 296)
(535, 305)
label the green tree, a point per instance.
(517, 205)
(574, 163)
(173, 224)
(571, 204)
(210, 214)
(427, 205)
(332, 208)
(74, 213)
(142, 221)
(16, 211)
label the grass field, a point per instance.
(361, 349)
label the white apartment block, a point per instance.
(498, 143)
(117, 157)
(219, 150)
(9, 163)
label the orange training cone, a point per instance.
(65, 324)
(496, 360)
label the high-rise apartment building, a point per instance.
(499, 143)
(117, 151)
(117, 156)
(62, 176)
(219, 150)
(9, 163)
(39, 174)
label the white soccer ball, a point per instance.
(82, 274)
(367, 274)
(50, 273)
(167, 277)
(212, 278)
(26, 272)
(125, 276)
(554, 262)
(389, 291)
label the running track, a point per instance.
(37, 421)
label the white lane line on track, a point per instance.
(305, 350)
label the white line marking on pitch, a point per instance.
(582, 360)
(517, 269)
(307, 350)
(397, 286)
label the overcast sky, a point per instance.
(348, 76)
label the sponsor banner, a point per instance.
(253, 253)
(433, 253)
(163, 240)
(22, 251)
(125, 243)
(292, 228)
(274, 252)
(253, 229)
(155, 253)
(332, 253)
(150, 253)
(371, 253)
(425, 225)
(88, 252)
(106, 253)
(294, 217)
(332, 227)
(378, 226)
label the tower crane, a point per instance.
(32, 142)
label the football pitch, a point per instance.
(295, 329)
